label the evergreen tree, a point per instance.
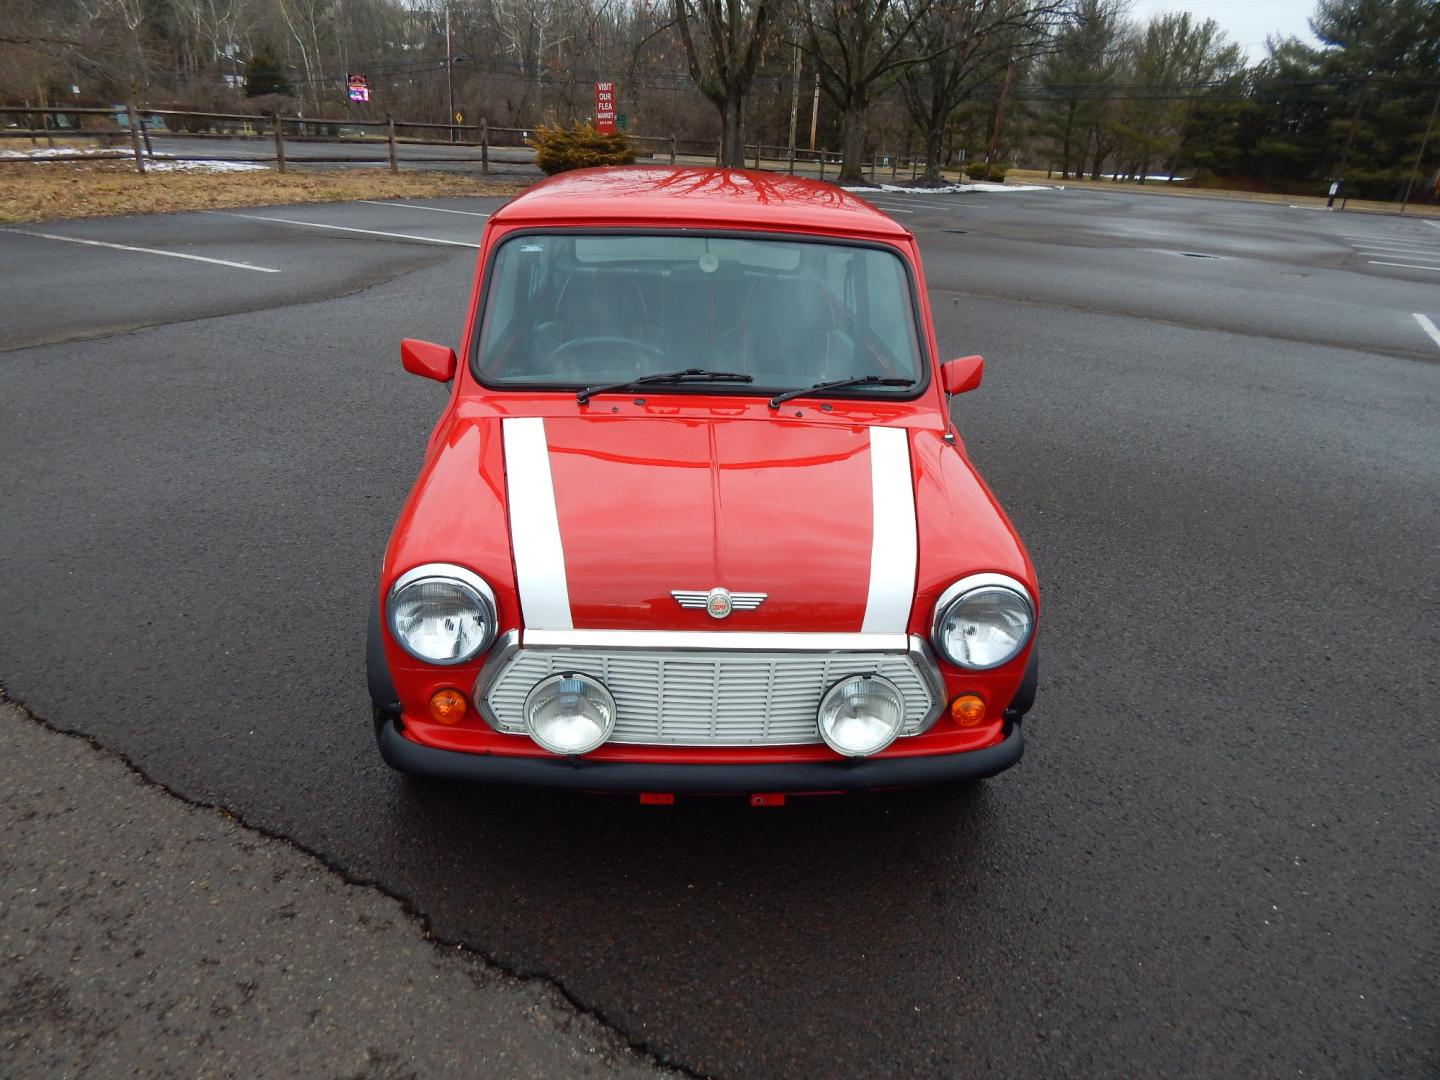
(264, 75)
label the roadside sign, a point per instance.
(359, 89)
(605, 107)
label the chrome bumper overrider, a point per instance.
(670, 692)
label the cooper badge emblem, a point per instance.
(718, 603)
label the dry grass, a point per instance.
(33, 192)
(1363, 206)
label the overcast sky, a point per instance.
(1246, 21)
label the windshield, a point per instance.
(571, 310)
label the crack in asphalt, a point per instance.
(365, 284)
(1092, 309)
(418, 917)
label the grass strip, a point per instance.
(54, 191)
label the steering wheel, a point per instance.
(583, 342)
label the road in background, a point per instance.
(1219, 855)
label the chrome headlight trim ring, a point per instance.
(468, 581)
(968, 585)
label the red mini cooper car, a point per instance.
(695, 517)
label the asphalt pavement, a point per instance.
(144, 936)
(1215, 425)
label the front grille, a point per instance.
(699, 698)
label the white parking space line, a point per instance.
(343, 228)
(1429, 327)
(936, 206)
(1430, 253)
(1433, 224)
(892, 209)
(1407, 266)
(150, 251)
(1397, 247)
(417, 206)
(1390, 238)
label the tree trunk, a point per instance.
(852, 144)
(732, 131)
(997, 120)
(1065, 150)
(934, 139)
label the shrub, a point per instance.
(560, 149)
(979, 171)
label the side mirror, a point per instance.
(961, 375)
(428, 360)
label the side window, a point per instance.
(887, 310)
(522, 274)
(502, 300)
(840, 277)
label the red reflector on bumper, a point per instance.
(656, 798)
(767, 799)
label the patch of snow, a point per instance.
(948, 189)
(211, 165)
(1111, 176)
(61, 151)
(158, 163)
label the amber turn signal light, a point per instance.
(447, 706)
(968, 709)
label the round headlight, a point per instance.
(441, 614)
(983, 621)
(861, 715)
(569, 714)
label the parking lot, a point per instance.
(1216, 424)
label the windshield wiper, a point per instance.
(685, 375)
(838, 384)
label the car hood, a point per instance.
(609, 516)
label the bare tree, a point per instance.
(968, 43)
(860, 47)
(723, 42)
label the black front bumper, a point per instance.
(578, 773)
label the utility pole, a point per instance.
(1410, 180)
(449, 75)
(815, 110)
(794, 100)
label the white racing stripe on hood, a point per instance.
(892, 545)
(535, 527)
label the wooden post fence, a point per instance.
(279, 142)
(390, 133)
(135, 138)
(672, 148)
(484, 147)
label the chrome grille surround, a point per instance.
(672, 695)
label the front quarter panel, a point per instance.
(456, 514)
(962, 530)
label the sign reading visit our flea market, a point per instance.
(605, 107)
(359, 88)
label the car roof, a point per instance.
(691, 197)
